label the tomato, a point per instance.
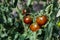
(34, 27)
(41, 20)
(27, 19)
(58, 24)
(24, 11)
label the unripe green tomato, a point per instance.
(58, 24)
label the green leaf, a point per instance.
(16, 36)
(9, 20)
(39, 32)
(28, 2)
(4, 35)
(48, 31)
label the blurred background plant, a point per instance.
(14, 14)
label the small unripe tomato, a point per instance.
(58, 24)
(34, 27)
(24, 11)
(41, 20)
(27, 19)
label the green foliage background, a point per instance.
(13, 27)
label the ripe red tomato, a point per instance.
(41, 20)
(34, 27)
(27, 19)
(24, 11)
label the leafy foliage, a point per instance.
(12, 26)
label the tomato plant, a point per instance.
(34, 27)
(19, 20)
(41, 20)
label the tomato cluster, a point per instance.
(40, 21)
